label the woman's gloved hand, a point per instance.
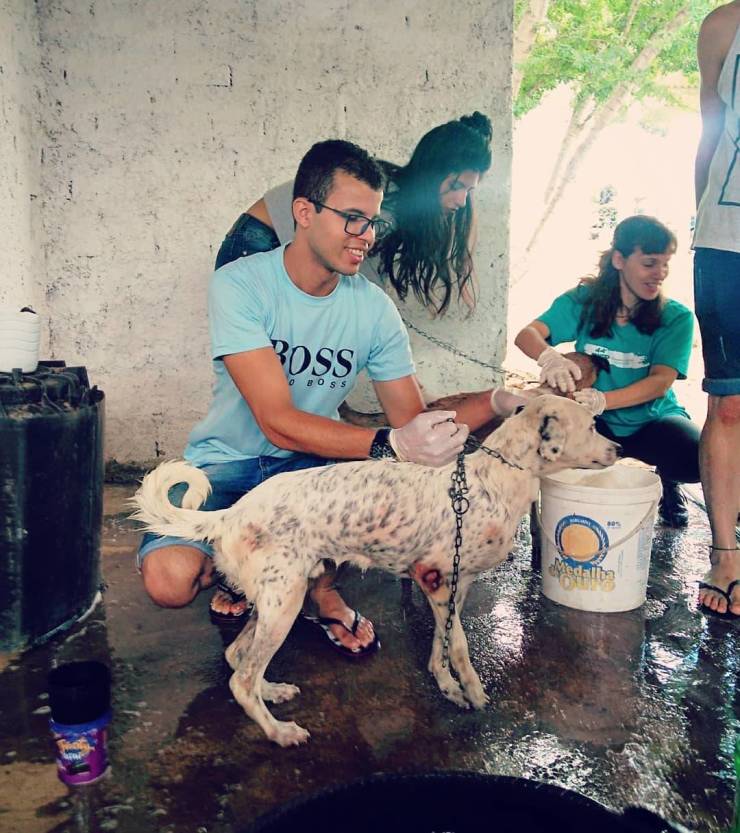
(592, 399)
(557, 371)
(430, 439)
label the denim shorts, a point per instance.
(717, 300)
(246, 237)
(229, 482)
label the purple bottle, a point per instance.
(79, 696)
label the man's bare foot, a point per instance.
(332, 606)
(725, 569)
(227, 602)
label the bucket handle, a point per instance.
(603, 550)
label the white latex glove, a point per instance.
(504, 403)
(557, 371)
(592, 399)
(430, 439)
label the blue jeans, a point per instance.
(229, 481)
(717, 301)
(246, 237)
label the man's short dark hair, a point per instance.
(315, 175)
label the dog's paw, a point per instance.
(477, 698)
(288, 733)
(279, 692)
(455, 694)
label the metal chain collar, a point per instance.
(474, 444)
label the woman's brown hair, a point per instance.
(603, 298)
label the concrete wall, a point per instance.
(19, 168)
(160, 121)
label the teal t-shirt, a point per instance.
(630, 354)
(322, 343)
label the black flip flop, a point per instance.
(325, 622)
(728, 614)
(235, 596)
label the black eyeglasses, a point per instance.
(356, 224)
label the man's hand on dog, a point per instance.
(557, 371)
(430, 439)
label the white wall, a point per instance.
(161, 121)
(19, 168)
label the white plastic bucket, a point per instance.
(20, 336)
(597, 530)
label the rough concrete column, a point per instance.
(19, 168)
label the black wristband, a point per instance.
(381, 448)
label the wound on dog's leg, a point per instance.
(428, 578)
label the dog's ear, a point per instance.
(552, 438)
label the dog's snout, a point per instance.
(618, 451)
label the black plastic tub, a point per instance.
(51, 488)
(453, 802)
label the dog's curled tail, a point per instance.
(158, 514)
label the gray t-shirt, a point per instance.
(718, 216)
(279, 202)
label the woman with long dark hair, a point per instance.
(622, 315)
(425, 245)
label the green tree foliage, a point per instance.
(592, 45)
(609, 53)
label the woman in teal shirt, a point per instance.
(622, 316)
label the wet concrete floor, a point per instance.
(626, 708)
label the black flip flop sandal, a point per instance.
(325, 622)
(728, 614)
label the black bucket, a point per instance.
(51, 493)
(455, 802)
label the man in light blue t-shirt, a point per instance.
(290, 331)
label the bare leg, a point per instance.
(173, 576)
(720, 477)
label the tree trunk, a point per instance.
(575, 126)
(524, 38)
(631, 17)
(603, 116)
(601, 119)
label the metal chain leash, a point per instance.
(450, 348)
(460, 504)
